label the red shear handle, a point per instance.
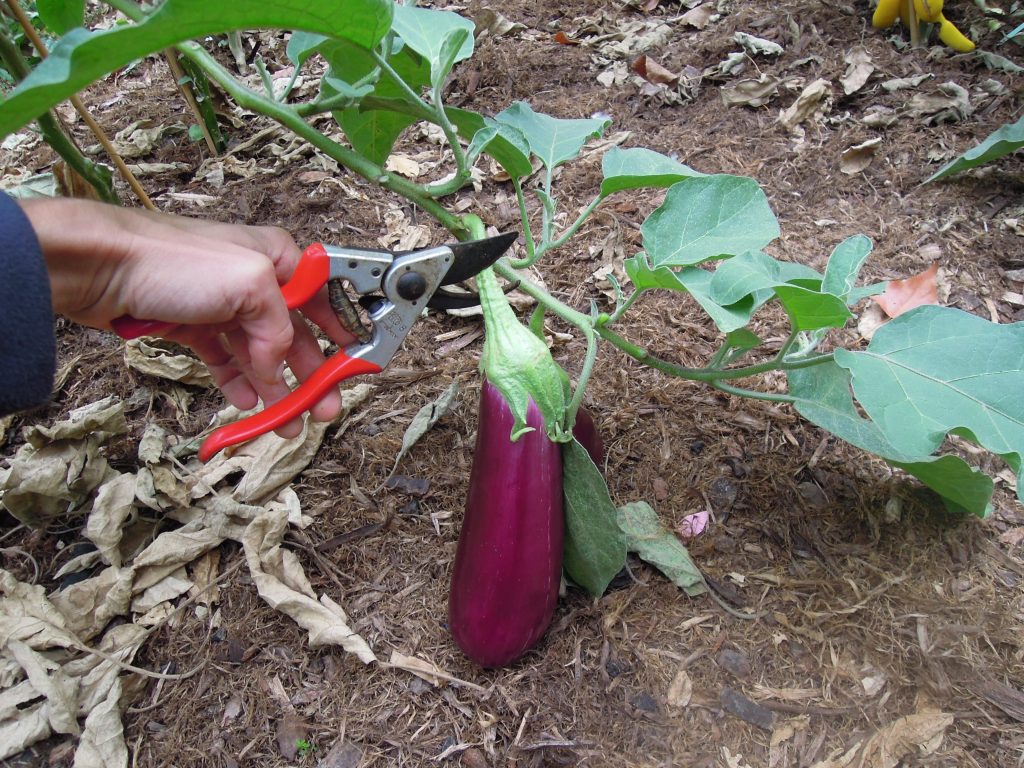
(310, 275)
(337, 368)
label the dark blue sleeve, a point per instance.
(27, 345)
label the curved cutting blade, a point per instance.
(477, 255)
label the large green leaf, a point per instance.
(756, 271)
(708, 217)
(373, 132)
(637, 167)
(1007, 139)
(826, 400)
(441, 37)
(936, 370)
(595, 548)
(696, 282)
(810, 310)
(82, 57)
(844, 265)
(59, 16)
(554, 140)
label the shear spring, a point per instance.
(347, 314)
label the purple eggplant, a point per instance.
(508, 564)
(585, 432)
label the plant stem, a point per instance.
(584, 377)
(622, 308)
(754, 394)
(438, 116)
(571, 230)
(531, 247)
(289, 117)
(51, 130)
(641, 354)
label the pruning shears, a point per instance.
(393, 287)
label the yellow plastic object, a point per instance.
(926, 10)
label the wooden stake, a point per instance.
(97, 131)
(179, 77)
(910, 14)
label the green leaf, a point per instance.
(809, 310)
(755, 271)
(728, 317)
(451, 52)
(1005, 140)
(59, 16)
(696, 282)
(595, 548)
(82, 57)
(441, 37)
(553, 140)
(505, 144)
(302, 45)
(844, 265)
(708, 217)
(637, 167)
(864, 291)
(658, 546)
(826, 400)
(508, 146)
(743, 339)
(373, 132)
(936, 370)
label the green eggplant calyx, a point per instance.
(519, 364)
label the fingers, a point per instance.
(228, 358)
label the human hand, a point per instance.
(217, 283)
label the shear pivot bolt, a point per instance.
(411, 286)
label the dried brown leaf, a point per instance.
(700, 16)
(857, 158)
(681, 690)
(281, 583)
(903, 295)
(155, 357)
(811, 104)
(858, 70)
(653, 72)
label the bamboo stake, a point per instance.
(179, 77)
(913, 22)
(83, 112)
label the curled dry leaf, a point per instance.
(681, 690)
(917, 291)
(859, 69)
(814, 101)
(755, 45)
(493, 23)
(282, 584)
(752, 93)
(858, 157)
(700, 16)
(692, 526)
(653, 72)
(156, 358)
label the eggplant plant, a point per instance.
(932, 374)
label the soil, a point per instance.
(871, 603)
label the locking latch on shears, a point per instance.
(393, 288)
